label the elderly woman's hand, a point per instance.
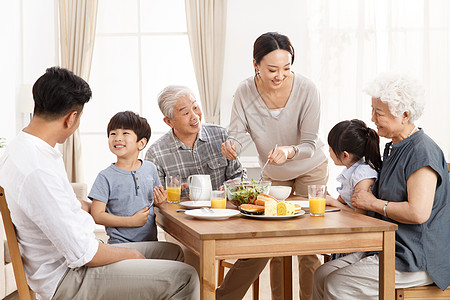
(363, 199)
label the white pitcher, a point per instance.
(199, 187)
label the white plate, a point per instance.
(263, 217)
(196, 204)
(302, 203)
(217, 214)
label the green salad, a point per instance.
(241, 192)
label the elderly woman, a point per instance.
(412, 191)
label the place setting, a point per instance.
(204, 203)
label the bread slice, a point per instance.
(263, 198)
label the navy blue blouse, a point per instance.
(418, 246)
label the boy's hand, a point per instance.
(159, 195)
(140, 218)
(184, 185)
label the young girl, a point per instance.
(357, 147)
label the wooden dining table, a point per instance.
(243, 237)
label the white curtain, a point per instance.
(349, 42)
(77, 33)
(206, 20)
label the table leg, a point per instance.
(207, 270)
(286, 264)
(387, 267)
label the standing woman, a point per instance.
(279, 107)
(412, 191)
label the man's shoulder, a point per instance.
(162, 145)
(214, 127)
(148, 165)
(214, 131)
(163, 142)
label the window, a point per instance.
(141, 46)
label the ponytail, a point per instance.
(372, 150)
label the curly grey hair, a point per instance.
(169, 96)
(401, 92)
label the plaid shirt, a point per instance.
(171, 157)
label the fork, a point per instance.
(267, 161)
(209, 210)
(238, 150)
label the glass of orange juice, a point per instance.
(173, 188)
(317, 199)
(218, 199)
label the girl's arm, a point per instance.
(339, 202)
(365, 185)
(420, 186)
(98, 212)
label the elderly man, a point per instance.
(61, 256)
(192, 148)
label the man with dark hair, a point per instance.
(61, 256)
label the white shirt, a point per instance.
(54, 233)
(350, 177)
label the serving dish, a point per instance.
(245, 191)
(263, 217)
(195, 204)
(212, 214)
(280, 192)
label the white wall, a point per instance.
(29, 46)
(9, 11)
(246, 20)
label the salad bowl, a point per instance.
(245, 191)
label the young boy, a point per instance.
(124, 193)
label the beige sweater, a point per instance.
(297, 124)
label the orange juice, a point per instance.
(317, 206)
(173, 194)
(218, 203)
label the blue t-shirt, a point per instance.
(350, 177)
(125, 193)
(418, 246)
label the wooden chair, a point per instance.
(422, 293)
(226, 264)
(448, 167)
(25, 293)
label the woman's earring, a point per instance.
(257, 72)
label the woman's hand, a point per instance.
(140, 218)
(363, 199)
(281, 154)
(159, 195)
(229, 150)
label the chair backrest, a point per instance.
(24, 291)
(448, 167)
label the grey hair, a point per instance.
(169, 96)
(400, 92)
